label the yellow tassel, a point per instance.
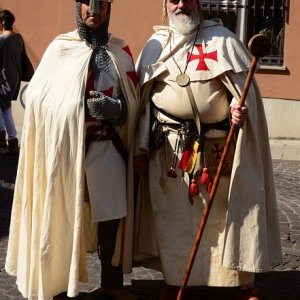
(193, 158)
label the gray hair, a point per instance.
(165, 13)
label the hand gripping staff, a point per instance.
(259, 45)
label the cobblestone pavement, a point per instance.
(283, 283)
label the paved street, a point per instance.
(283, 283)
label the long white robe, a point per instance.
(47, 242)
(242, 233)
(105, 168)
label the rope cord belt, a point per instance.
(221, 125)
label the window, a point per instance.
(249, 17)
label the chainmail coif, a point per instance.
(98, 39)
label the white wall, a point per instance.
(18, 109)
(283, 117)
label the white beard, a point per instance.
(182, 23)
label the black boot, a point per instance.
(13, 146)
(3, 142)
(111, 276)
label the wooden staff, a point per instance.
(259, 45)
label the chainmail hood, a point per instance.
(97, 39)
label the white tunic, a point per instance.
(104, 166)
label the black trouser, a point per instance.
(111, 276)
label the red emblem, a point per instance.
(201, 57)
(127, 50)
(215, 150)
(133, 76)
(108, 92)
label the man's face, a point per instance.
(183, 15)
(93, 21)
(186, 7)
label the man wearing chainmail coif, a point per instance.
(74, 188)
(191, 74)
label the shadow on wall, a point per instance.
(22, 94)
(32, 56)
(18, 108)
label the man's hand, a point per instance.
(96, 94)
(239, 114)
(103, 107)
(141, 164)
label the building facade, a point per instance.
(40, 21)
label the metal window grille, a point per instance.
(249, 17)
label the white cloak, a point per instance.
(251, 239)
(47, 243)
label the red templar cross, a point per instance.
(217, 150)
(202, 56)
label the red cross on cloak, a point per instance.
(131, 74)
(217, 150)
(90, 86)
(128, 51)
(202, 56)
(108, 92)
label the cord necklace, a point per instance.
(183, 79)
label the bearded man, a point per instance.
(192, 73)
(77, 135)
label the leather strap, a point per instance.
(109, 134)
(194, 107)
